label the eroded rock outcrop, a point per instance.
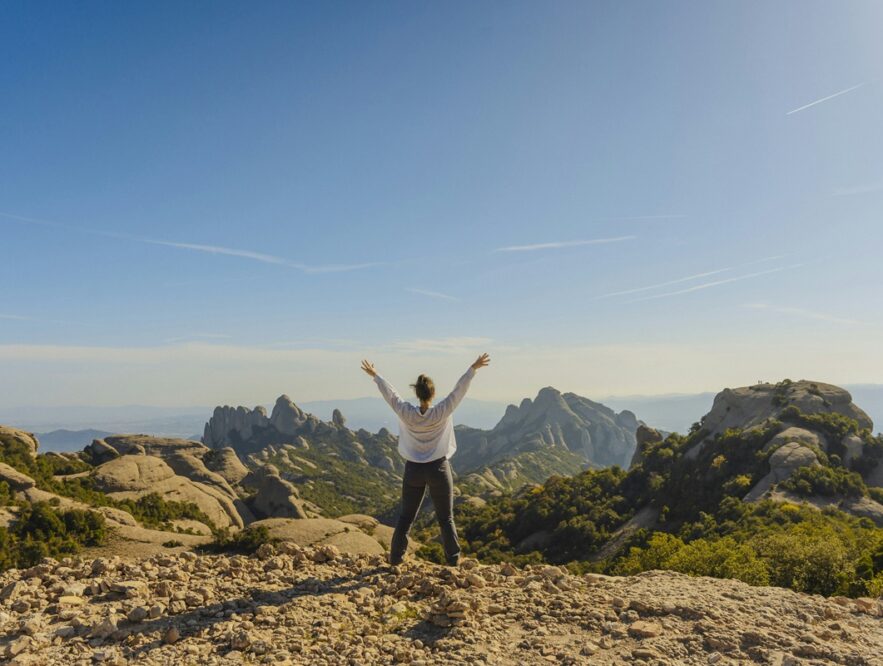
(20, 437)
(274, 496)
(133, 476)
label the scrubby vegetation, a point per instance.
(320, 476)
(243, 542)
(825, 481)
(41, 530)
(701, 524)
(150, 510)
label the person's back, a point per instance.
(426, 442)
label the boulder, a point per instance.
(338, 419)
(322, 531)
(783, 463)
(226, 463)
(16, 436)
(100, 451)
(796, 434)
(17, 480)
(274, 497)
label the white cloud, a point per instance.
(15, 317)
(556, 245)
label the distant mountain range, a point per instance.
(670, 413)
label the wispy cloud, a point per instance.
(433, 294)
(196, 336)
(453, 345)
(556, 245)
(802, 313)
(716, 283)
(15, 317)
(659, 285)
(825, 99)
(867, 188)
(640, 218)
(200, 247)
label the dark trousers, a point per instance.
(436, 475)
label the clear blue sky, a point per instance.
(360, 169)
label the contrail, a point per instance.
(716, 283)
(825, 99)
(806, 314)
(197, 247)
(433, 294)
(662, 284)
(561, 244)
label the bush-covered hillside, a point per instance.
(692, 514)
(41, 529)
(337, 485)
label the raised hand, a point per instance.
(481, 362)
(368, 367)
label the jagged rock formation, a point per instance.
(184, 608)
(26, 439)
(553, 434)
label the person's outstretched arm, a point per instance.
(450, 403)
(387, 390)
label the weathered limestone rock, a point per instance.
(27, 439)
(226, 463)
(17, 481)
(783, 463)
(644, 435)
(132, 476)
(275, 497)
(100, 451)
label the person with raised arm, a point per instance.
(426, 442)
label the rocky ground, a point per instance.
(305, 605)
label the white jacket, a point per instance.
(428, 436)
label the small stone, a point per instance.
(137, 614)
(171, 635)
(644, 629)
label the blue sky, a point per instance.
(218, 202)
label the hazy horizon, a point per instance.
(608, 199)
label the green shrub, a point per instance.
(244, 541)
(42, 531)
(825, 481)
